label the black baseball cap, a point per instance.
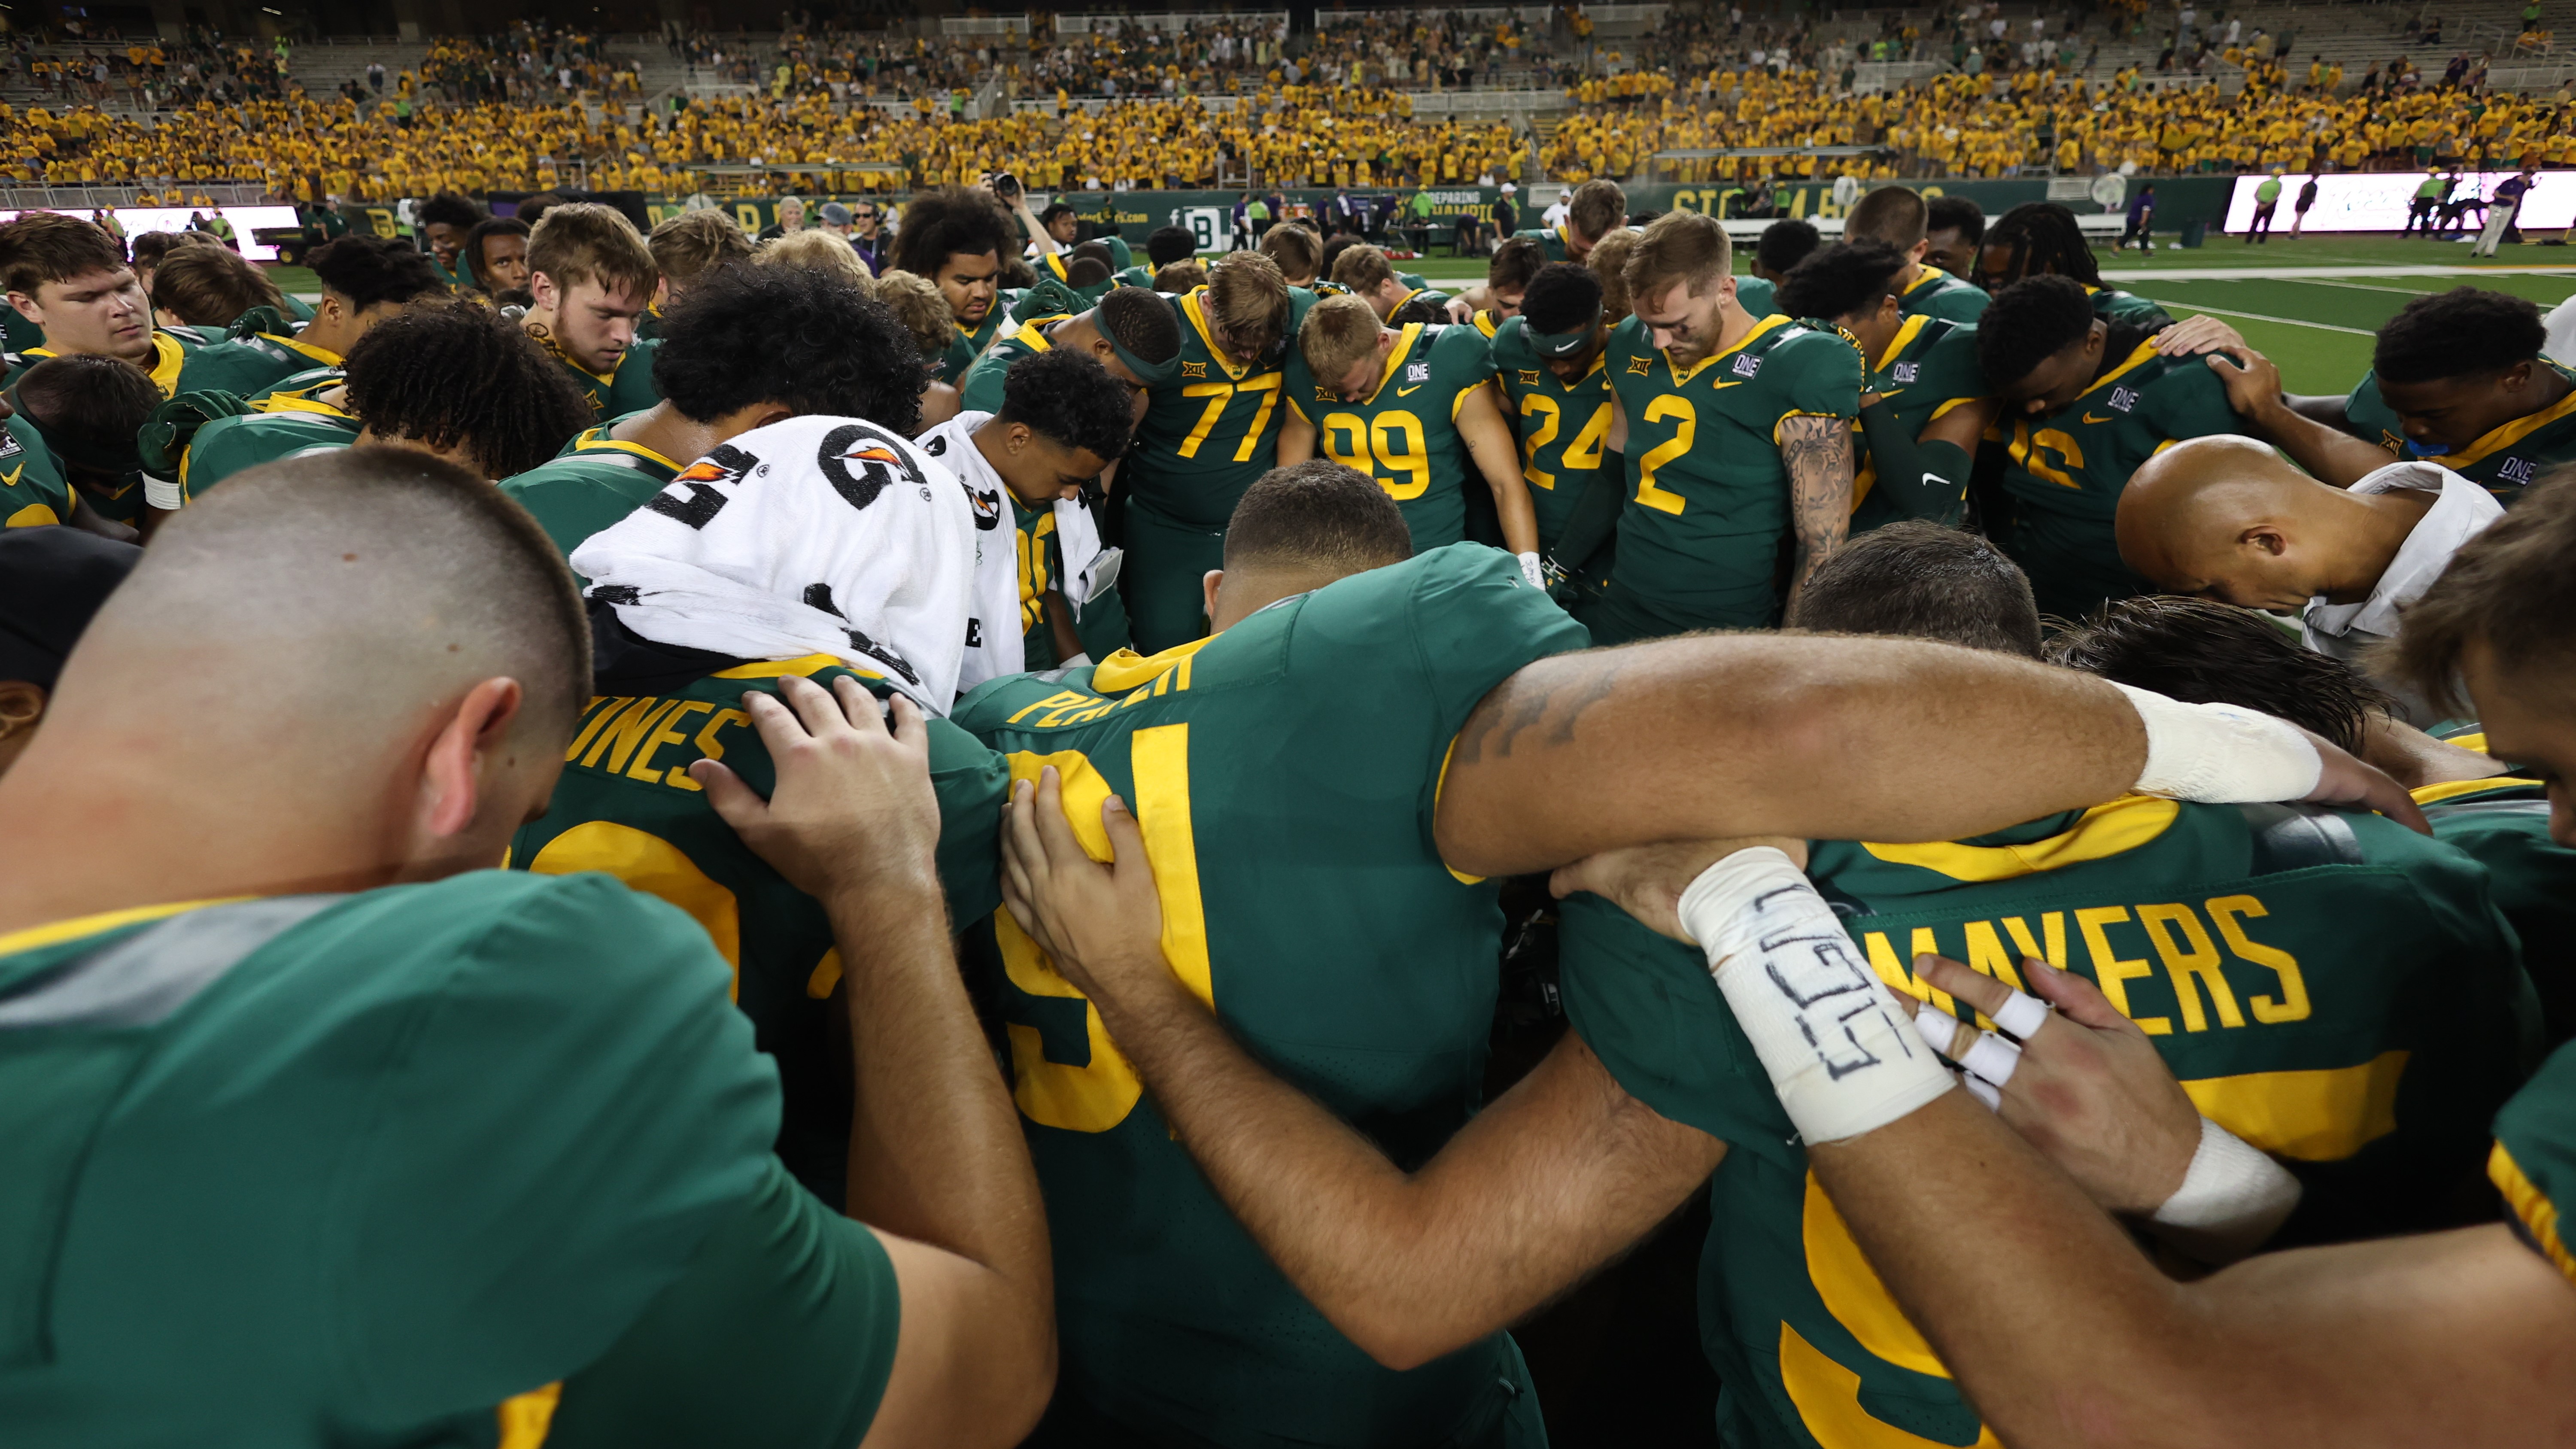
(52, 582)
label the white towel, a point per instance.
(1089, 568)
(819, 535)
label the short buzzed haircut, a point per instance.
(1785, 243)
(695, 242)
(46, 246)
(1363, 268)
(1679, 246)
(2509, 588)
(1895, 215)
(1562, 297)
(1956, 213)
(327, 551)
(1598, 209)
(1318, 516)
(584, 241)
(1337, 333)
(2203, 652)
(2464, 332)
(1921, 580)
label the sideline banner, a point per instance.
(2380, 200)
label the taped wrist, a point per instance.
(2231, 1199)
(2219, 754)
(162, 493)
(1843, 1059)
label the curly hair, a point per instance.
(450, 208)
(369, 270)
(805, 337)
(457, 374)
(1069, 397)
(1847, 277)
(2041, 238)
(2028, 323)
(1786, 243)
(2464, 332)
(921, 309)
(942, 224)
(2203, 652)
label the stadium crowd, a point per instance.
(567, 887)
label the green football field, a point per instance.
(2317, 328)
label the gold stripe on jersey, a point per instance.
(1127, 669)
(2316, 1116)
(1827, 1397)
(2104, 831)
(1931, 276)
(1760, 328)
(1194, 307)
(2538, 1215)
(2476, 741)
(1395, 357)
(56, 932)
(801, 666)
(1803, 413)
(2145, 354)
(2454, 789)
(1852, 1292)
(1487, 323)
(597, 440)
(1904, 338)
(526, 1418)
(2510, 433)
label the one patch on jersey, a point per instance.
(1640, 366)
(2516, 471)
(1746, 365)
(1193, 369)
(1417, 372)
(1909, 372)
(9, 444)
(1528, 378)
(2123, 399)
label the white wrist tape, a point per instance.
(2219, 754)
(2231, 1199)
(1531, 571)
(1841, 1055)
(161, 492)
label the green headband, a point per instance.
(1152, 374)
(1568, 343)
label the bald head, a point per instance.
(2229, 519)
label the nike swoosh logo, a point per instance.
(1410, 391)
(1889, 391)
(1723, 386)
(2088, 417)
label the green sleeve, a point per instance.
(29, 477)
(1647, 1007)
(1824, 374)
(972, 782)
(1923, 480)
(1756, 296)
(2534, 1162)
(960, 356)
(980, 390)
(782, 1332)
(578, 1109)
(1958, 303)
(571, 507)
(2190, 402)
(633, 388)
(1136, 277)
(1298, 384)
(1121, 255)
(1465, 357)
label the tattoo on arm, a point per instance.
(1520, 703)
(1817, 452)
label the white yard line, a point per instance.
(2262, 317)
(2292, 274)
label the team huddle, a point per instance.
(1004, 774)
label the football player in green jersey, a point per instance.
(496, 260)
(1365, 273)
(1408, 406)
(2458, 377)
(1206, 434)
(1063, 422)
(510, 1172)
(685, 247)
(1737, 432)
(86, 411)
(365, 279)
(1548, 361)
(723, 372)
(2087, 401)
(1130, 331)
(1417, 1256)
(957, 240)
(2041, 239)
(1923, 405)
(33, 492)
(1596, 209)
(67, 277)
(1163, 246)
(453, 379)
(1085, 270)
(1497, 299)
(1899, 216)
(446, 219)
(592, 276)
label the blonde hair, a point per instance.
(1297, 251)
(917, 304)
(1679, 246)
(1609, 261)
(583, 241)
(1180, 277)
(1249, 300)
(819, 251)
(1337, 333)
(1363, 268)
(688, 245)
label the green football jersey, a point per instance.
(2504, 462)
(17, 334)
(1405, 433)
(594, 482)
(625, 388)
(979, 390)
(2502, 823)
(970, 342)
(250, 365)
(1562, 428)
(226, 446)
(1756, 295)
(1206, 435)
(1054, 265)
(626, 805)
(1551, 240)
(2534, 1160)
(2113, 305)
(1938, 294)
(2065, 473)
(171, 347)
(1290, 836)
(2334, 989)
(33, 491)
(275, 1200)
(298, 392)
(1702, 535)
(1928, 370)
